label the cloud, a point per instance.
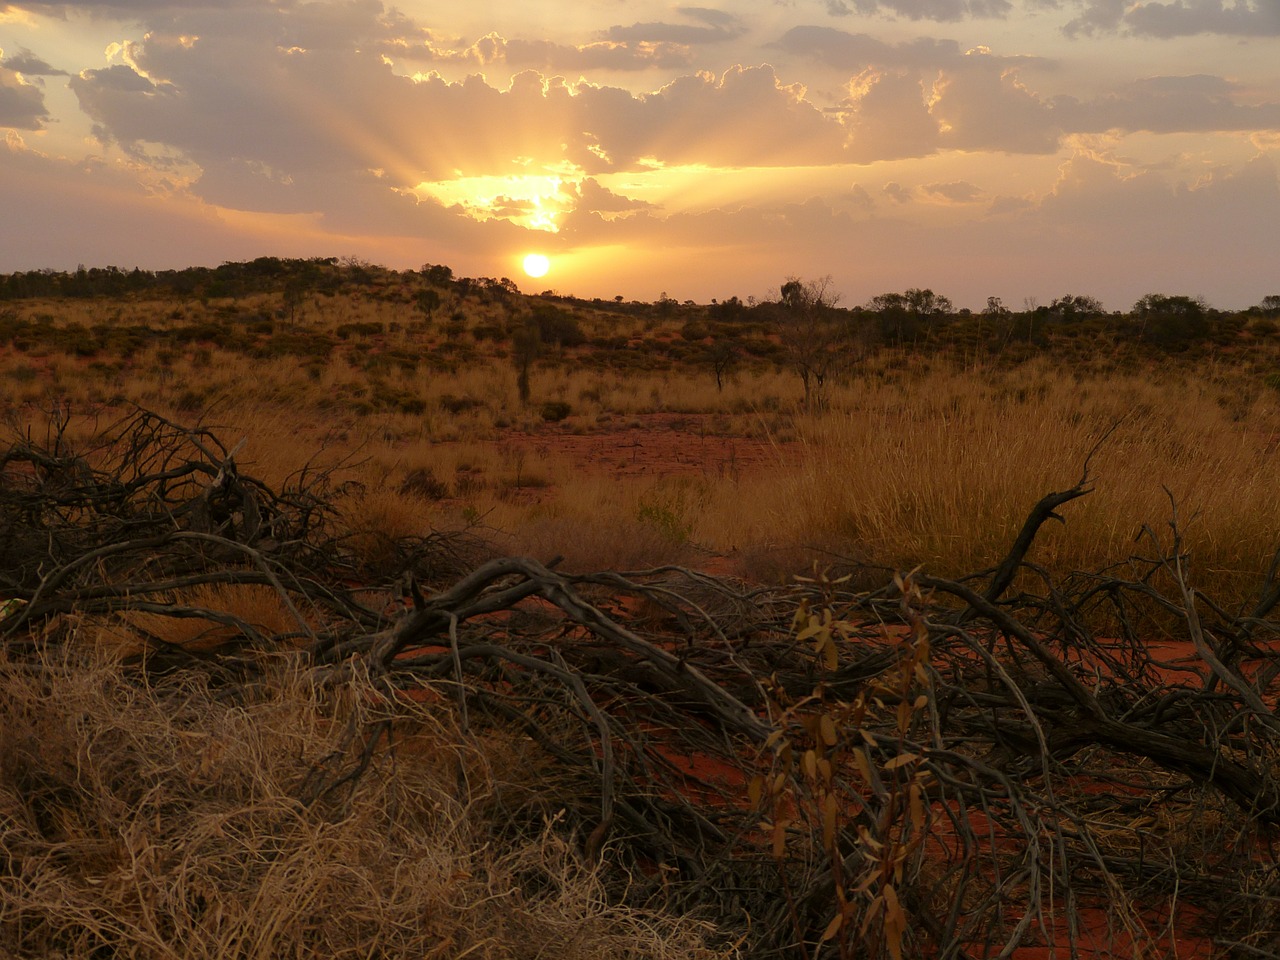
(714, 26)
(942, 10)
(592, 197)
(281, 108)
(115, 7)
(59, 213)
(859, 200)
(1171, 104)
(1098, 16)
(956, 191)
(986, 107)
(896, 192)
(1007, 205)
(746, 117)
(856, 51)
(546, 54)
(1179, 18)
(28, 64)
(887, 118)
(21, 103)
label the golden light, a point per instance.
(533, 201)
(536, 265)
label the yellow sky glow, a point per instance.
(534, 201)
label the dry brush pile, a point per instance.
(227, 735)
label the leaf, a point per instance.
(809, 764)
(868, 841)
(827, 730)
(812, 630)
(832, 928)
(824, 770)
(893, 909)
(901, 760)
(895, 921)
(830, 655)
(829, 813)
(780, 838)
(755, 790)
(863, 764)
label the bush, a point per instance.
(451, 404)
(423, 482)
(557, 326)
(553, 411)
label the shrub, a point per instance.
(553, 411)
(451, 404)
(423, 482)
(557, 326)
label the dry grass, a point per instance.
(915, 461)
(943, 470)
(161, 821)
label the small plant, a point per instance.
(667, 509)
(553, 411)
(844, 793)
(422, 482)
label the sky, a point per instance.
(1022, 149)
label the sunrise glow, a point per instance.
(533, 201)
(1011, 148)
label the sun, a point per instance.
(536, 265)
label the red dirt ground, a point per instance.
(651, 445)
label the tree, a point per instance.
(926, 303)
(1074, 307)
(437, 274)
(995, 308)
(1270, 305)
(526, 344)
(1171, 321)
(812, 333)
(903, 316)
(727, 311)
(723, 356)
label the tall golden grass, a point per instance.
(943, 470)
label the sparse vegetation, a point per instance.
(313, 639)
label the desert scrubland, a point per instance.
(367, 613)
